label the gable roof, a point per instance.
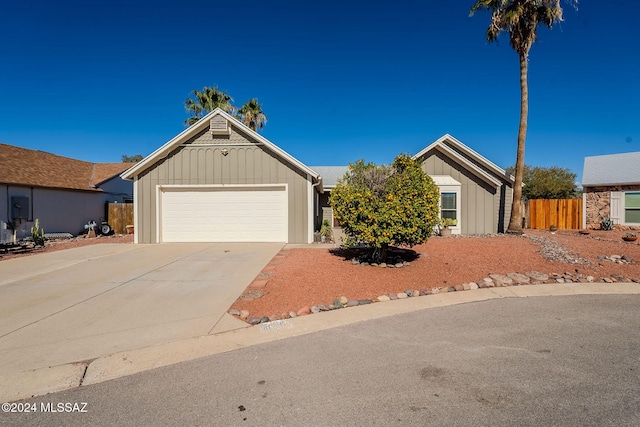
(468, 158)
(612, 169)
(34, 168)
(198, 127)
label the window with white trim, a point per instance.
(632, 207)
(448, 205)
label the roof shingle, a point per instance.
(21, 166)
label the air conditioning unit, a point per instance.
(6, 234)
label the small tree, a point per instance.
(131, 159)
(382, 206)
(547, 183)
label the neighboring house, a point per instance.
(63, 193)
(611, 189)
(219, 181)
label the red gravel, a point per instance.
(310, 276)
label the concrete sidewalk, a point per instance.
(61, 310)
(37, 382)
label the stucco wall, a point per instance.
(57, 210)
(203, 161)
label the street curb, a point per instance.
(42, 381)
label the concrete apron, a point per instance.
(61, 310)
(57, 378)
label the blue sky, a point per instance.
(338, 80)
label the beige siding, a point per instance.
(202, 162)
(480, 204)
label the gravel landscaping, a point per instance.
(301, 281)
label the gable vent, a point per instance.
(218, 125)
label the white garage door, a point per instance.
(229, 214)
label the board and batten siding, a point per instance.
(484, 209)
(202, 161)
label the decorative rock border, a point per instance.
(493, 280)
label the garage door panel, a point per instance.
(224, 215)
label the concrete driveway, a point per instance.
(79, 304)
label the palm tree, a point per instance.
(206, 101)
(520, 19)
(252, 115)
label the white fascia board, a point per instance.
(462, 160)
(440, 144)
(197, 127)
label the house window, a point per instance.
(632, 207)
(448, 205)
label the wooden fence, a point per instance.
(119, 215)
(564, 213)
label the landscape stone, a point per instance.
(382, 298)
(473, 286)
(254, 320)
(501, 280)
(458, 287)
(425, 291)
(315, 309)
(264, 319)
(274, 317)
(323, 307)
(416, 293)
(399, 265)
(536, 275)
(364, 301)
(393, 296)
(304, 311)
(402, 295)
(408, 292)
(518, 278)
(465, 286)
(607, 280)
(352, 303)
(234, 312)
(435, 291)
(383, 264)
(451, 289)
(590, 279)
(244, 314)
(344, 300)
(355, 261)
(293, 314)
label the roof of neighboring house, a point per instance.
(21, 166)
(330, 174)
(474, 162)
(199, 126)
(611, 169)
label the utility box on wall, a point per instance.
(19, 208)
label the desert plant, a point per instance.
(448, 222)
(37, 234)
(606, 224)
(325, 230)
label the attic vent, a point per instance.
(219, 126)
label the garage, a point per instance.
(220, 213)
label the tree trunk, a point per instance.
(515, 223)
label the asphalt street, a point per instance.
(538, 361)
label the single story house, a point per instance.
(611, 189)
(220, 181)
(62, 193)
